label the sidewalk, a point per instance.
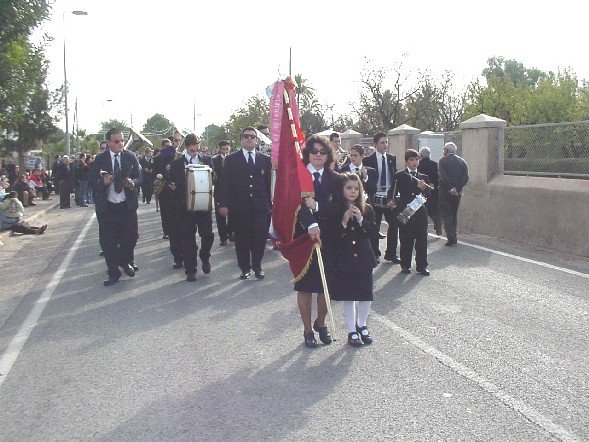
(31, 213)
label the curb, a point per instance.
(5, 234)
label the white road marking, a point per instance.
(15, 347)
(520, 258)
(515, 404)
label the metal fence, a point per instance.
(552, 150)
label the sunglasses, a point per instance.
(249, 136)
(318, 152)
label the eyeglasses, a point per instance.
(176, 140)
(249, 136)
(318, 152)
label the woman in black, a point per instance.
(354, 258)
(315, 218)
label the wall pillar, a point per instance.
(400, 139)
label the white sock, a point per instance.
(363, 311)
(350, 314)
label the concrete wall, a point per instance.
(546, 212)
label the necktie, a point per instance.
(191, 160)
(357, 169)
(223, 161)
(316, 182)
(250, 160)
(117, 175)
(383, 174)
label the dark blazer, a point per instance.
(370, 184)
(240, 190)
(453, 173)
(354, 254)
(370, 161)
(407, 190)
(177, 175)
(329, 202)
(218, 168)
(429, 167)
(129, 169)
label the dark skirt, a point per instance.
(350, 286)
(311, 282)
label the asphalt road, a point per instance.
(489, 347)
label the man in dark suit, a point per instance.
(453, 177)
(146, 163)
(115, 177)
(368, 175)
(245, 196)
(161, 166)
(411, 183)
(223, 227)
(429, 167)
(63, 176)
(191, 222)
(386, 165)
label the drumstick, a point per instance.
(430, 187)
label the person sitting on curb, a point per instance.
(11, 217)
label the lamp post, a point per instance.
(67, 125)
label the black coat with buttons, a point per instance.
(407, 190)
(354, 258)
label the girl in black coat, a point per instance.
(354, 258)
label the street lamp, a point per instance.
(67, 125)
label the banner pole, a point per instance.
(326, 291)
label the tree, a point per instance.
(158, 124)
(255, 112)
(105, 126)
(380, 107)
(212, 135)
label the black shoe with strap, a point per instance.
(324, 335)
(310, 341)
(364, 334)
(354, 339)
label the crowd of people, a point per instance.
(353, 191)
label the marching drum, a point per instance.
(411, 208)
(199, 188)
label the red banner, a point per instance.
(293, 182)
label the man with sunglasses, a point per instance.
(245, 196)
(190, 222)
(115, 177)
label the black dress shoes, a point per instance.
(191, 277)
(135, 266)
(165, 237)
(244, 275)
(450, 243)
(310, 341)
(393, 259)
(324, 335)
(128, 270)
(381, 236)
(354, 339)
(101, 253)
(206, 266)
(424, 272)
(259, 274)
(110, 282)
(177, 265)
(223, 243)
(406, 271)
(364, 334)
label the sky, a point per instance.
(137, 58)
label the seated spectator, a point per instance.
(11, 217)
(4, 187)
(37, 180)
(21, 187)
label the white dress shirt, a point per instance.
(246, 155)
(113, 196)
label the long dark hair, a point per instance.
(360, 203)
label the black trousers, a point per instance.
(147, 188)
(433, 212)
(167, 211)
(250, 230)
(414, 234)
(118, 233)
(65, 189)
(392, 232)
(449, 209)
(193, 222)
(223, 226)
